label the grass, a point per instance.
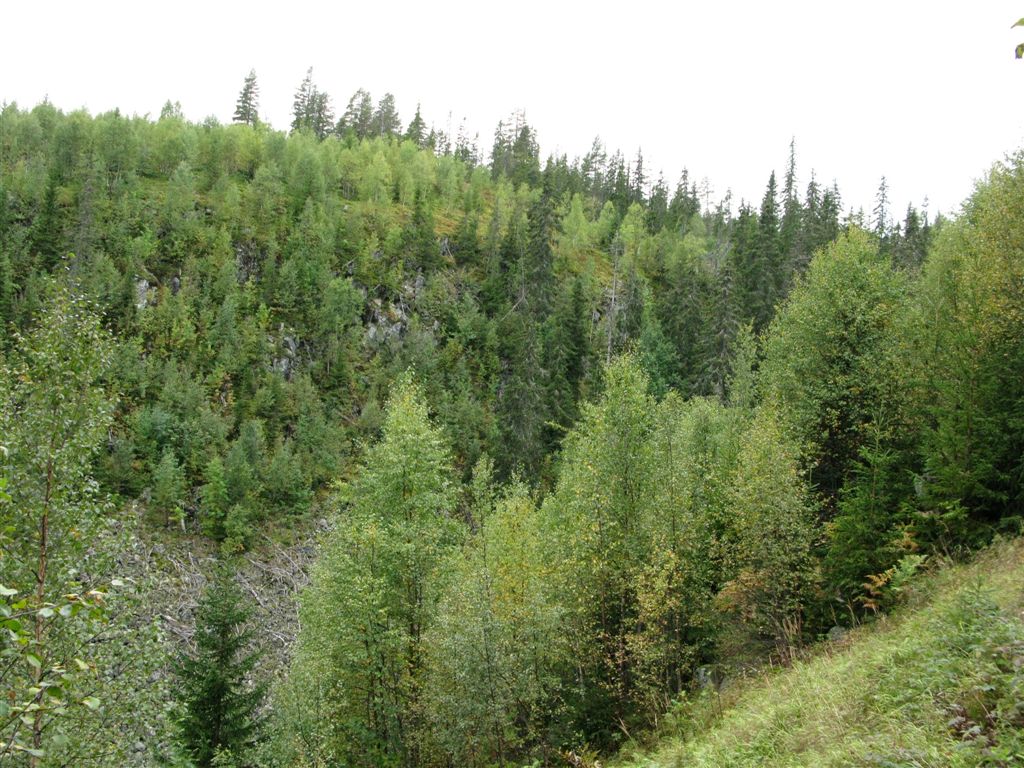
(940, 682)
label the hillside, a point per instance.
(343, 447)
(939, 682)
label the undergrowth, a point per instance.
(940, 682)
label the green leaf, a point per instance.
(1020, 51)
(7, 591)
(33, 660)
(46, 613)
(91, 702)
(1020, 23)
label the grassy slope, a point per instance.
(938, 683)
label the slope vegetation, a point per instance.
(939, 683)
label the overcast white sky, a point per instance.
(927, 93)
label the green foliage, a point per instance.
(247, 107)
(215, 499)
(494, 651)
(772, 568)
(688, 527)
(373, 597)
(257, 276)
(676, 508)
(168, 490)
(938, 683)
(828, 365)
(217, 700)
(55, 409)
(967, 331)
(598, 511)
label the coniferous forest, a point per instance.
(361, 444)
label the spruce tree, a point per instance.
(792, 216)
(358, 116)
(880, 213)
(537, 270)
(46, 235)
(168, 488)
(416, 132)
(303, 101)
(768, 283)
(248, 101)
(215, 498)
(6, 291)
(218, 709)
(639, 180)
(385, 120)
(420, 239)
(321, 114)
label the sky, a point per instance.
(925, 93)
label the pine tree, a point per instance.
(592, 169)
(525, 156)
(565, 347)
(831, 204)
(684, 205)
(657, 206)
(420, 238)
(218, 707)
(745, 265)
(912, 242)
(247, 106)
(827, 362)
(311, 108)
(501, 154)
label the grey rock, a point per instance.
(837, 634)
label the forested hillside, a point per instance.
(576, 436)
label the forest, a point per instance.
(545, 443)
